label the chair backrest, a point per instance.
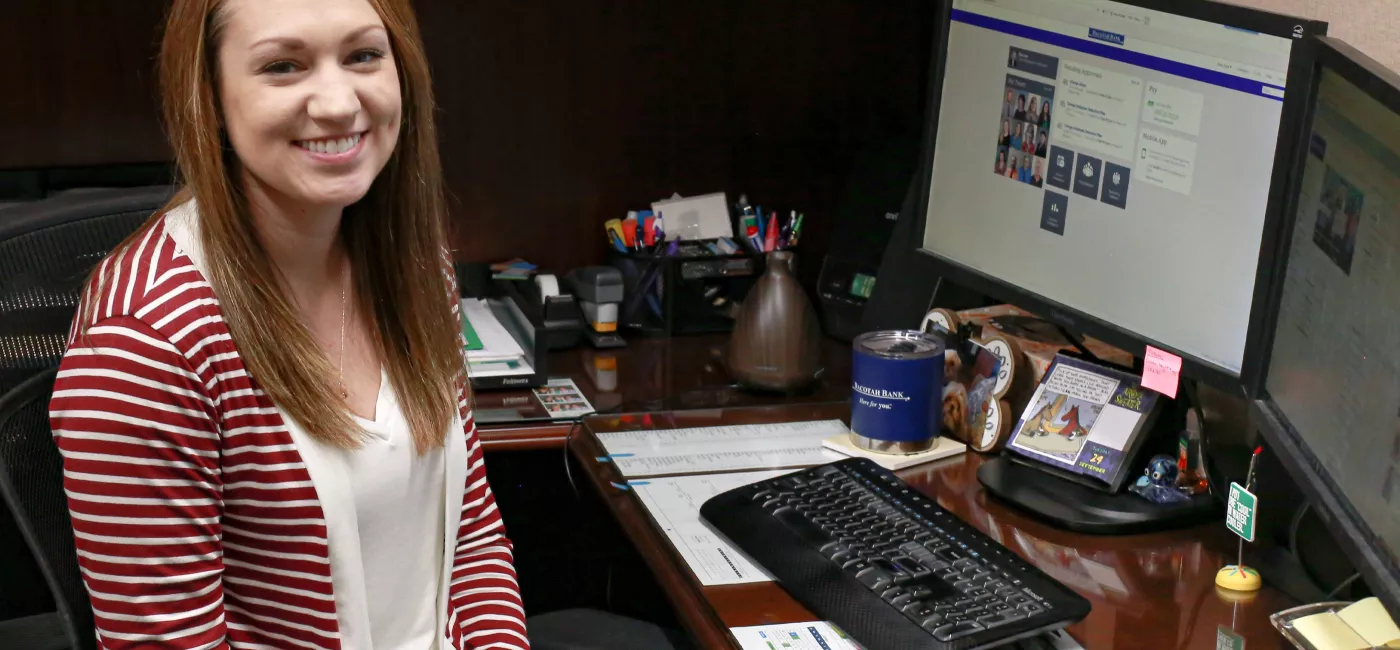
(31, 484)
(47, 249)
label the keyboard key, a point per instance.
(1001, 617)
(932, 621)
(875, 579)
(957, 630)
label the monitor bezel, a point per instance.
(1357, 538)
(1291, 146)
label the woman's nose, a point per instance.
(334, 99)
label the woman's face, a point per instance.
(309, 97)
(1005, 127)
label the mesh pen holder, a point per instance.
(666, 296)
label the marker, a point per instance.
(797, 229)
(770, 242)
(762, 235)
(629, 231)
(648, 230)
(751, 232)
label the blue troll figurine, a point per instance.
(1158, 482)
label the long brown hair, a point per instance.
(395, 237)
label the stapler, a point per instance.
(599, 291)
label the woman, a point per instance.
(1045, 114)
(1011, 171)
(1033, 109)
(1005, 140)
(1042, 144)
(263, 411)
(1028, 142)
(1016, 137)
(1000, 167)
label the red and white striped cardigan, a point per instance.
(197, 522)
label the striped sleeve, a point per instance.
(484, 599)
(141, 471)
(485, 611)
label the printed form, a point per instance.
(674, 504)
(656, 452)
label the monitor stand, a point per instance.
(1075, 507)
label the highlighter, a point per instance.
(629, 232)
(614, 230)
(770, 240)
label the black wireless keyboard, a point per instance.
(860, 548)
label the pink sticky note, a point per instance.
(1161, 371)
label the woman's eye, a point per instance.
(280, 67)
(366, 56)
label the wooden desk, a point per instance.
(650, 374)
(1148, 591)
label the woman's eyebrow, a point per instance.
(294, 43)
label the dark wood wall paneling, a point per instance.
(555, 116)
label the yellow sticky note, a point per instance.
(1370, 620)
(1327, 631)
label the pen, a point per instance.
(761, 234)
(785, 237)
(640, 225)
(770, 243)
(797, 229)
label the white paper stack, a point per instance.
(499, 354)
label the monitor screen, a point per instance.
(1112, 159)
(1334, 371)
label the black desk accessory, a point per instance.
(600, 292)
(512, 309)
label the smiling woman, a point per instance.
(263, 410)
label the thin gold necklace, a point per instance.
(344, 394)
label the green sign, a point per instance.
(1226, 639)
(1241, 512)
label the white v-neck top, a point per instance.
(398, 506)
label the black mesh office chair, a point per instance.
(47, 250)
(31, 484)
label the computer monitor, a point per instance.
(1117, 168)
(1331, 409)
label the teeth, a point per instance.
(334, 146)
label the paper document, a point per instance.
(496, 342)
(491, 350)
(817, 635)
(674, 503)
(721, 449)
